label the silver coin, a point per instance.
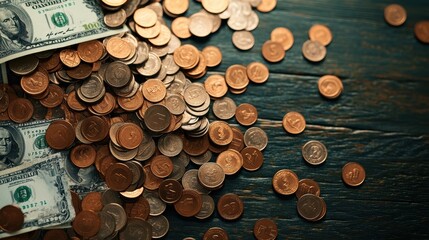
(160, 51)
(118, 212)
(178, 171)
(190, 181)
(243, 40)
(23, 65)
(201, 159)
(313, 51)
(142, 53)
(170, 145)
(173, 44)
(252, 21)
(224, 108)
(157, 206)
(256, 137)
(207, 208)
(92, 86)
(172, 67)
(200, 25)
(160, 226)
(107, 225)
(195, 95)
(175, 104)
(151, 66)
(181, 159)
(211, 175)
(314, 152)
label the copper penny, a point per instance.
(246, 114)
(265, 229)
(215, 86)
(330, 86)
(11, 218)
(307, 186)
(421, 30)
(92, 202)
(215, 233)
(56, 234)
(273, 51)
(176, 7)
(129, 136)
(186, 56)
(195, 146)
(161, 166)
(74, 102)
(230, 160)
(353, 174)
(76, 202)
(230, 206)
(395, 14)
(252, 158)
(83, 155)
(189, 204)
(266, 5)
(283, 36)
(36, 82)
(118, 177)
(293, 122)
(320, 33)
(60, 135)
(95, 128)
(285, 182)
(70, 57)
(20, 110)
(132, 103)
(220, 133)
(86, 224)
(170, 190)
(237, 142)
(140, 209)
(236, 77)
(55, 96)
(154, 90)
(80, 72)
(90, 51)
(257, 72)
(151, 182)
(180, 27)
(104, 106)
(51, 63)
(213, 56)
(157, 118)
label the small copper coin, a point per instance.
(69, 57)
(421, 30)
(56, 234)
(20, 110)
(252, 158)
(246, 114)
(266, 5)
(92, 202)
(60, 135)
(283, 36)
(395, 14)
(90, 51)
(36, 82)
(285, 182)
(320, 33)
(11, 218)
(213, 56)
(95, 128)
(220, 133)
(230, 160)
(230, 206)
(170, 190)
(189, 204)
(265, 229)
(55, 96)
(257, 72)
(151, 182)
(161, 166)
(273, 51)
(129, 136)
(186, 56)
(80, 72)
(195, 146)
(293, 122)
(237, 142)
(307, 186)
(76, 202)
(215, 233)
(83, 155)
(330, 86)
(353, 174)
(86, 224)
(157, 118)
(119, 177)
(236, 77)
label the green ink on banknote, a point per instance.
(22, 194)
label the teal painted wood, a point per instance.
(380, 121)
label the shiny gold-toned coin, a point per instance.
(267, 5)
(320, 33)
(294, 122)
(145, 17)
(421, 30)
(180, 27)
(154, 90)
(330, 86)
(215, 6)
(283, 36)
(257, 72)
(114, 3)
(149, 32)
(273, 51)
(69, 57)
(176, 7)
(395, 15)
(215, 86)
(118, 48)
(186, 56)
(213, 55)
(285, 182)
(163, 37)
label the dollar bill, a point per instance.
(25, 143)
(31, 26)
(40, 190)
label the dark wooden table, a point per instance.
(381, 121)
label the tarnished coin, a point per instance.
(56, 234)
(160, 226)
(421, 30)
(256, 137)
(320, 33)
(11, 218)
(24, 65)
(189, 204)
(330, 86)
(190, 181)
(311, 207)
(314, 152)
(115, 19)
(284, 36)
(246, 114)
(107, 225)
(353, 174)
(117, 74)
(285, 182)
(118, 212)
(20, 110)
(60, 135)
(294, 122)
(170, 190)
(307, 186)
(86, 223)
(119, 177)
(252, 158)
(395, 14)
(230, 206)
(157, 118)
(265, 229)
(273, 51)
(243, 40)
(313, 51)
(92, 202)
(136, 229)
(215, 233)
(83, 155)
(208, 207)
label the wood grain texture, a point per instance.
(380, 121)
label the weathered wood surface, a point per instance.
(380, 121)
